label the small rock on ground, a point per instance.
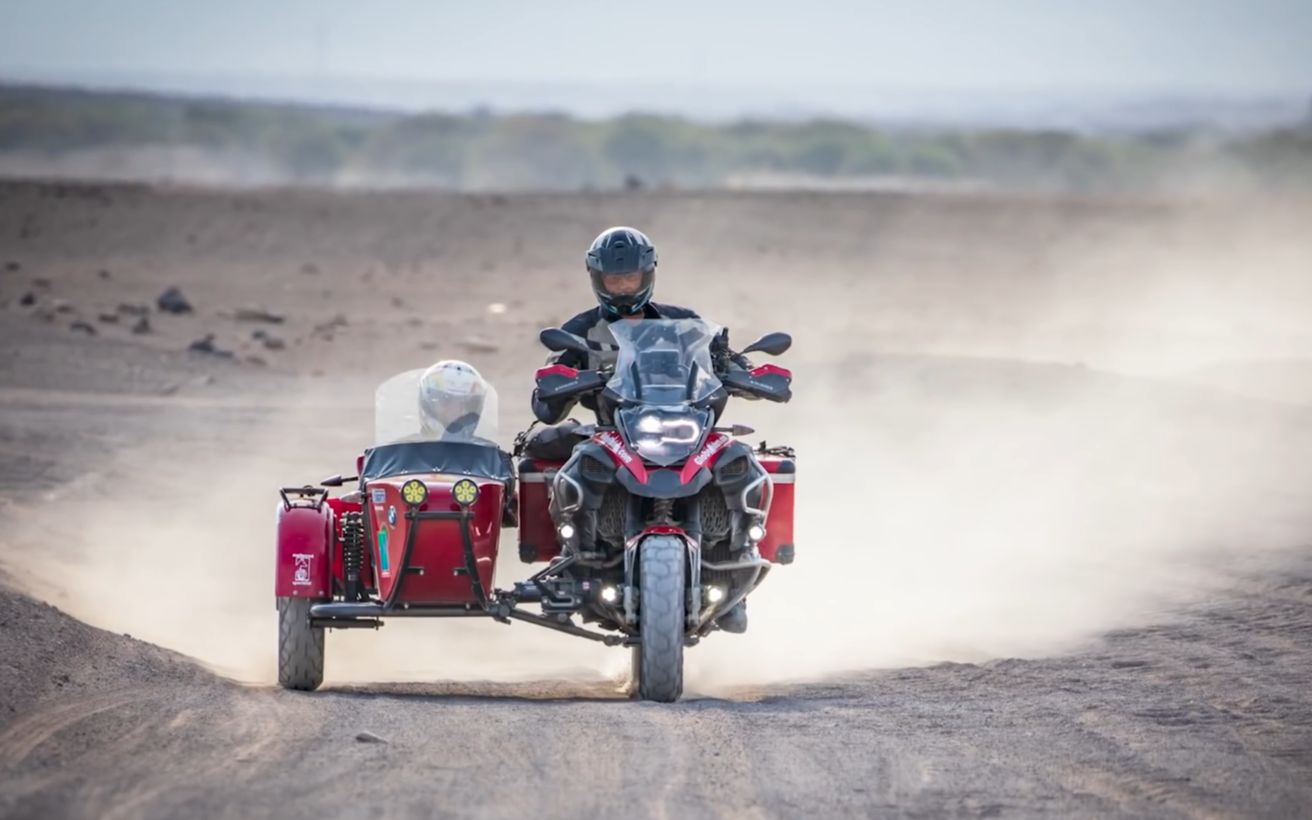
(172, 301)
(254, 314)
(206, 345)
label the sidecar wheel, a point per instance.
(659, 658)
(300, 646)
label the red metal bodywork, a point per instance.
(537, 532)
(621, 454)
(437, 558)
(705, 457)
(659, 529)
(779, 520)
(303, 559)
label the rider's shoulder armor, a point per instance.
(582, 323)
(672, 312)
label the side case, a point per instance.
(778, 544)
(537, 533)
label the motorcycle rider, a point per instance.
(451, 399)
(621, 264)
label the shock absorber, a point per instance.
(662, 511)
(352, 553)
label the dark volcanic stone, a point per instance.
(206, 345)
(172, 301)
(258, 315)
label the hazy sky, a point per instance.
(1230, 46)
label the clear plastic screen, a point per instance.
(664, 361)
(396, 414)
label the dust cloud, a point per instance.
(986, 469)
(182, 556)
(967, 517)
(1102, 457)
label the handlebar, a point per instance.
(766, 382)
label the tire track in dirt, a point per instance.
(151, 750)
(19, 739)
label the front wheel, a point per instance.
(300, 646)
(659, 658)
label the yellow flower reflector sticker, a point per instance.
(414, 492)
(465, 492)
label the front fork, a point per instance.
(693, 588)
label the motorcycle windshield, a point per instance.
(398, 416)
(664, 361)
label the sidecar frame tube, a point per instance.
(369, 614)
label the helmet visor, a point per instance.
(445, 415)
(623, 290)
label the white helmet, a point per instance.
(451, 396)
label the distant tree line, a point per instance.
(480, 150)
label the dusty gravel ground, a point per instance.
(1080, 522)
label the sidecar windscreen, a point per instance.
(452, 457)
(398, 415)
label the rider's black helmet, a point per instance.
(619, 251)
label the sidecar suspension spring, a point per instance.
(352, 553)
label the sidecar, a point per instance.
(418, 536)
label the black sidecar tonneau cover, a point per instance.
(458, 457)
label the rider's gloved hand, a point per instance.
(724, 357)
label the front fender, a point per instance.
(303, 563)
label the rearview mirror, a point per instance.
(772, 343)
(553, 338)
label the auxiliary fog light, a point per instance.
(755, 533)
(610, 594)
(566, 531)
(715, 594)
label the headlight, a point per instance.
(664, 435)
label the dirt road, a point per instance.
(1070, 441)
(1206, 717)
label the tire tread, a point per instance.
(661, 619)
(300, 646)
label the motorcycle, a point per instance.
(655, 527)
